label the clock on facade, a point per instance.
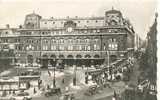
(69, 29)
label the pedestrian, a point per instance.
(67, 88)
(114, 96)
(49, 73)
(48, 87)
(63, 80)
(72, 97)
(28, 85)
(34, 90)
(13, 92)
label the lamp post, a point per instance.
(108, 57)
(74, 78)
(54, 81)
(86, 76)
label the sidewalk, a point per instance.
(31, 92)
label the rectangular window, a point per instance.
(89, 48)
(80, 47)
(61, 47)
(53, 47)
(113, 46)
(45, 47)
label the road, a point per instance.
(68, 75)
(57, 98)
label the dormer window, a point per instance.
(113, 22)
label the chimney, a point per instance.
(7, 26)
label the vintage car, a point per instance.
(152, 89)
(143, 85)
(52, 91)
(91, 90)
(69, 96)
(21, 96)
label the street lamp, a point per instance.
(75, 68)
(54, 81)
(108, 57)
(86, 76)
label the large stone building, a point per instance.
(81, 41)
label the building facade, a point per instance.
(81, 41)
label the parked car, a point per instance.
(143, 85)
(152, 89)
(69, 96)
(52, 91)
(91, 90)
(21, 96)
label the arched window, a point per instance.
(96, 40)
(70, 56)
(78, 56)
(61, 41)
(113, 22)
(87, 40)
(87, 56)
(78, 40)
(96, 56)
(45, 41)
(69, 40)
(53, 41)
(61, 56)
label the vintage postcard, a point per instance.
(78, 49)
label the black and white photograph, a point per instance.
(78, 49)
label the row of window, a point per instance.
(112, 46)
(75, 31)
(17, 47)
(70, 47)
(62, 22)
(45, 41)
(59, 40)
(9, 40)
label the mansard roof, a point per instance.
(113, 11)
(33, 14)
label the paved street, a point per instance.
(79, 89)
(135, 74)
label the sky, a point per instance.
(141, 13)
